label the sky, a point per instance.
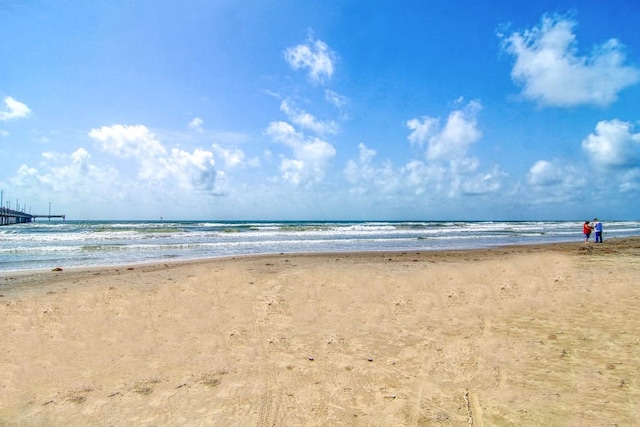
(321, 110)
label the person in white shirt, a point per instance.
(597, 226)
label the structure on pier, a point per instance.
(8, 216)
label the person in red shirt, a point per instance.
(586, 230)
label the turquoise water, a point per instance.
(45, 245)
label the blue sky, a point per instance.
(416, 110)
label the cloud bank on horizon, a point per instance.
(224, 115)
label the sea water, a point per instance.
(45, 245)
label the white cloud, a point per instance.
(421, 130)
(336, 99)
(544, 173)
(552, 73)
(613, 145)
(362, 169)
(447, 172)
(127, 141)
(464, 165)
(196, 124)
(74, 176)
(293, 170)
(195, 170)
(112, 190)
(484, 183)
(311, 155)
(307, 120)
(339, 101)
(612, 148)
(13, 109)
(383, 178)
(451, 141)
(557, 182)
(81, 156)
(426, 178)
(157, 166)
(234, 157)
(285, 133)
(462, 177)
(431, 180)
(314, 56)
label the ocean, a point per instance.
(46, 245)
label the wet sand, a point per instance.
(522, 335)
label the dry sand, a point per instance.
(533, 335)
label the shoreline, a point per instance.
(176, 261)
(541, 334)
(13, 282)
(105, 244)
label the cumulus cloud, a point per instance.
(426, 178)
(127, 141)
(613, 145)
(314, 56)
(421, 130)
(366, 176)
(158, 165)
(13, 109)
(483, 183)
(177, 174)
(448, 171)
(72, 175)
(361, 169)
(307, 120)
(233, 157)
(450, 141)
(311, 155)
(194, 170)
(196, 124)
(433, 180)
(614, 154)
(552, 73)
(553, 182)
(544, 173)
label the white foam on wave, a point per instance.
(122, 242)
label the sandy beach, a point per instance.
(513, 336)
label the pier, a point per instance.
(9, 216)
